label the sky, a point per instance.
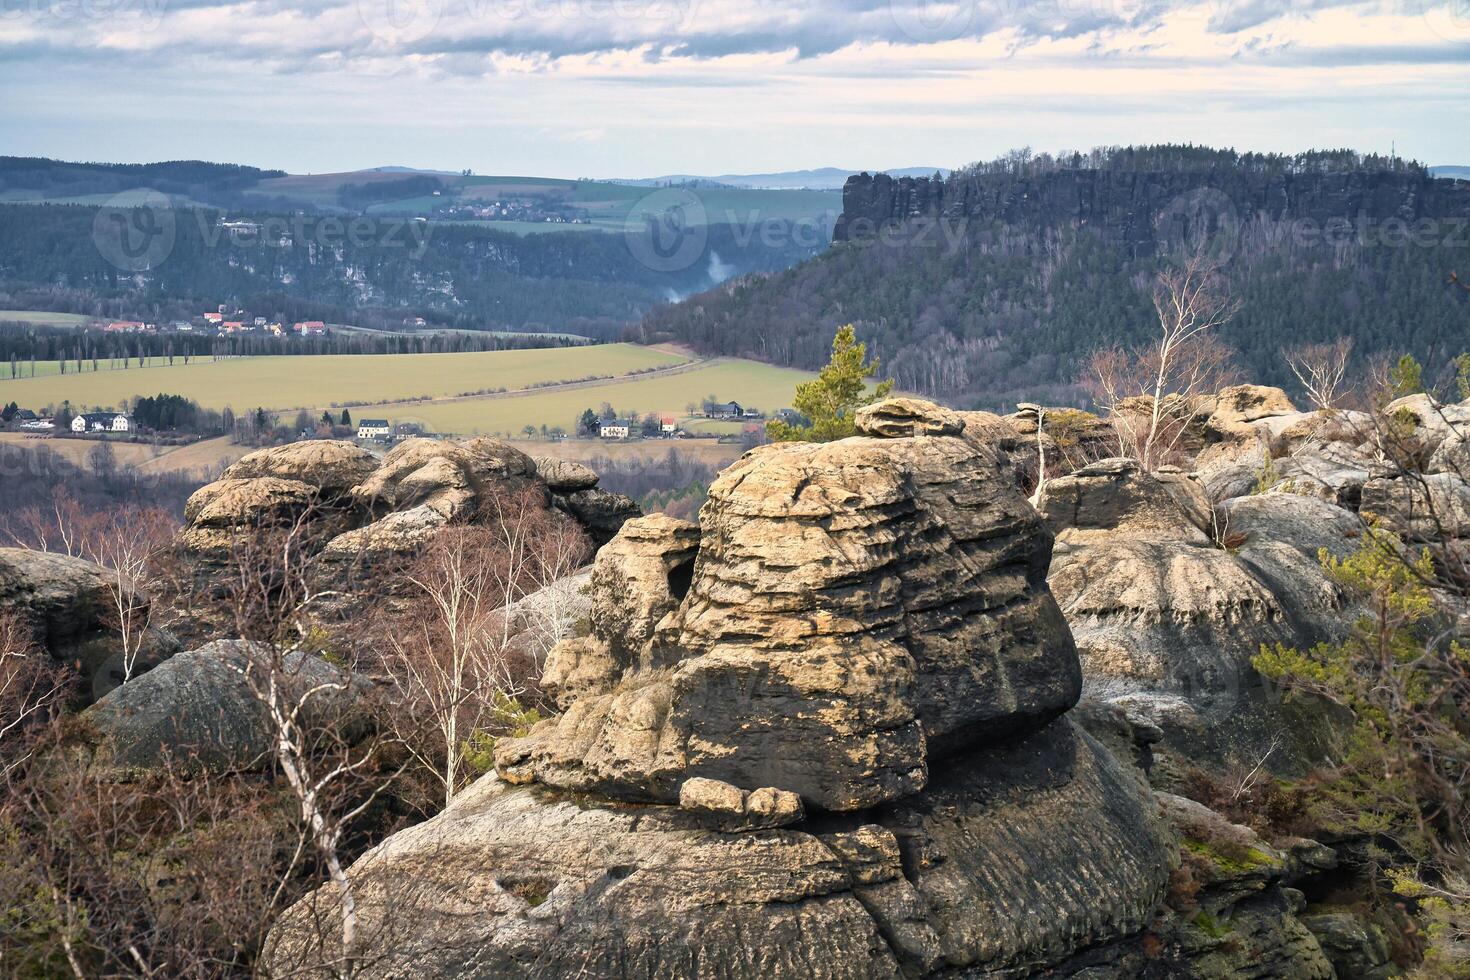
(638, 88)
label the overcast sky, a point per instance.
(644, 87)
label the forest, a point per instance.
(1016, 272)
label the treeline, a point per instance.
(217, 183)
(460, 275)
(1185, 158)
(94, 350)
(356, 196)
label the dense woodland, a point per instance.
(1009, 310)
(368, 271)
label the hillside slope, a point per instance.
(996, 283)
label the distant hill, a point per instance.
(45, 180)
(824, 178)
(1460, 173)
(995, 284)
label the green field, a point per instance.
(751, 383)
(43, 318)
(291, 382)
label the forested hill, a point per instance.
(995, 283)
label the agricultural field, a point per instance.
(43, 318)
(287, 383)
(763, 386)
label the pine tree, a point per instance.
(831, 400)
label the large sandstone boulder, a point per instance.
(894, 582)
(1240, 405)
(1115, 498)
(332, 467)
(835, 752)
(1026, 851)
(1435, 507)
(198, 708)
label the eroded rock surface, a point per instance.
(198, 708)
(839, 748)
(894, 582)
(359, 516)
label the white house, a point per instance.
(668, 425)
(374, 429)
(102, 422)
(615, 429)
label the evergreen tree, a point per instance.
(831, 400)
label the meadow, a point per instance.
(751, 383)
(287, 383)
(44, 318)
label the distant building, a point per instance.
(44, 424)
(215, 318)
(615, 429)
(374, 429)
(181, 326)
(306, 327)
(102, 422)
(123, 326)
(668, 426)
(727, 410)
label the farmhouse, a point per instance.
(38, 424)
(374, 429)
(615, 429)
(724, 410)
(102, 422)
(668, 426)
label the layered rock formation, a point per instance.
(1166, 619)
(356, 514)
(823, 734)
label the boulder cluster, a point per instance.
(823, 733)
(357, 513)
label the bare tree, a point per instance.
(310, 708)
(30, 686)
(1321, 369)
(448, 660)
(126, 544)
(1151, 391)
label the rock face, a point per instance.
(841, 750)
(65, 604)
(198, 708)
(362, 514)
(1167, 622)
(898, 583)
